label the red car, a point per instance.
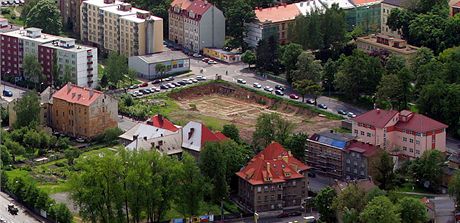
(143, 84)
(294, 96)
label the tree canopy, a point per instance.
(27, 110)
(46, 16)
(380, 210)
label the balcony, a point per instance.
(90, 81)
(90, 69)
(90, 75)
(90, 62)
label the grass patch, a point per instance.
(183, 117)
(342, 130)
(61, 186)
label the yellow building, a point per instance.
(380, 42)
(118, 27)
(222, 55)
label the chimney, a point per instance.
(69, 87)
(378, 110)
(289, 153)
(160, 119)
(91, 93)
(268, 167)
(73, 94)
(78, 96)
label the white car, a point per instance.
(268, 88)
(197, 55)
(257, 85)
(240, 81)
(212, 62)
(201, 78)
(351, 115)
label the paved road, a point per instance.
(17, 93)
(22, 217)
(445, 207)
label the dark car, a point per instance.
(182, 83)
(279, 92)
(7, 93)
(12, 209)
(145, 84)
(323, 106)
(279, 87)
(311, 174)
(342, 112)
(157, 81)
(164, 87)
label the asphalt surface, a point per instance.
(17, 93)
(22, 216)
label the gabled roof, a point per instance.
(195, 135)
(161, 122)
(456, 5)
(198, 7)
(421, 123)
(274, 164)
(366, 149)
(378, 118)
(399, 3)
(145, 131)
(220, 136)
(75, 94)
(277, 13)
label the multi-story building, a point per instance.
(5, 27)
(454, 8)
(273, 180)
(404, 133)
(269, 22)
(82, 112)
(118, 27)
(380, 42)
(366, 14)
(70, 13)
(145, 66)
(325, 153)
(359, 160)
(387, 6)
(196, 24)
(50, 51)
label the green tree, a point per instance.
(394, 64)
(32, 69)
(396, 88)
(333, 24)
(45, 15)
(454, 187)
(67, 76)
(27, 7)
(161, 69)
(350, 216)
(296, 143)
(307, 67)
(131, 75)
(429, 30)
(428, 168)
(400, 19)
(14, 148)
(237, 14)
(191, 187)
(380, 210)
(271, 127)
(27, 110)
(412, 210)
(116, 67)
(289, 55)
(267, 54)
(358, 74)
(307, 87)
(323, 203)
(451, 61)
(351, 198)
(384, 168)
(212, 164)
(422, 57)
(71, 154)
(328, 75)
(232, 132)
(375, 192)
(248, 57)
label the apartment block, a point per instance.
(118, 27)
(404, 133)
(50, 51)
(273, 180)
(359, 160)
(387, 6)
(196, 24)
(70, 13)
(83, 112)
(375, 43)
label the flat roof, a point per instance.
(409, 49)
(163, 56)
(223, 51)
(114, 9)
(100, 3)
(343, 4)
(133, 18)
(76, 48)
(21, 34)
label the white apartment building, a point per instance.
(116, 26)
(196, 24)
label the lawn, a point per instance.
(12, 17)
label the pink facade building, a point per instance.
(408, 133)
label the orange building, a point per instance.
(82, 112)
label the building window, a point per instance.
(417, 151)
(404, 148)
(259, 189)
(362, 133)
(417, 142)
(368, 134)
(411, 140)
(411, 150)
(404, 139)
(356, 132)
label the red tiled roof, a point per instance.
(198, 7)
(207, 135)
(378, 118)
(277, 13)
(367, 150)
(273, 162)
(363, 2)
(163, 123)
(78, 95)
(220, 136)
(420, 123)
(457, 5)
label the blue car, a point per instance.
(7, 93)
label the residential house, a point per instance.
(387, 6)
(196, 24)
(364, 184)
(273, 21)
(359, 160)
(377, 43)
(454, 7)
(195, 135)
(404, 133)
(51, 52)
(114, 26)
(273, 180)
(325, 153)
(145, 66)
(83, 112)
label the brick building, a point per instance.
(82, 112)
(273, 180)
(405, 133)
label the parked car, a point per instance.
(156, 81)
(154, 89)
(189, 81)
(311, 101)
(171, 85)
(164, 87)
(268, 88)
(12, 209)
(134, 87)
(351, 114)
(169, 79)
(196, 55)
(205, 59)
(240, 81)
(257, 85)
(182, 82)
(323, 106)
(212, 62)
(200, 78)
(145, 84)
(294, 96)
(194, 80)
(279, 87)
(80, 140)
(279, 92)
(342, 112)
(147, 91)
(7, 93)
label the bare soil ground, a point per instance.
(244, 114)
